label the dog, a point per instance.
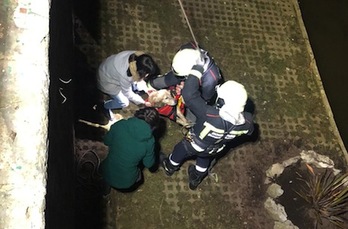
(164, 100)
(169, 105)
(162, 97)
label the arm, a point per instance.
(249, 123)
(108, 138)
(208, 88)
(149, 158)
(210, 78)
(165, 81)
(126, 87)
(135, 98)
(247, 128)
(191, 94)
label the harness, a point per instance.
(211, 149)
(171, 111)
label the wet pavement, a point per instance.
(261, 44)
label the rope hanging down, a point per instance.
(188, 23)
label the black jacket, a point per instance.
(210, 129)
(211, 77)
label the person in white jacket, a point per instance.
(118, 72)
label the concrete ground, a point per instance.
(261, 44)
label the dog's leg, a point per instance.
(117, 117)
(180, 119)
(106, 127)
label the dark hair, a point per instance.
(149, 115)
(146, 65)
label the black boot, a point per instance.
(168, 167)
(195, 177)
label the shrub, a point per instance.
(327, 195)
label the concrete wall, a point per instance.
(36, 80)
(24, 85)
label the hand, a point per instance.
(200, 61)
(179, 87)
(147, 104)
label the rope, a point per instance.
(90, 177)
(188, 23)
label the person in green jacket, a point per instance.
(131, 146)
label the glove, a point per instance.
(200, 60)
(197, 70)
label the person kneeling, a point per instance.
(131, 145)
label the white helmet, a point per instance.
(184, 60)
(233, 97)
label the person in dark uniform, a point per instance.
(186, 57)
(215, 126)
